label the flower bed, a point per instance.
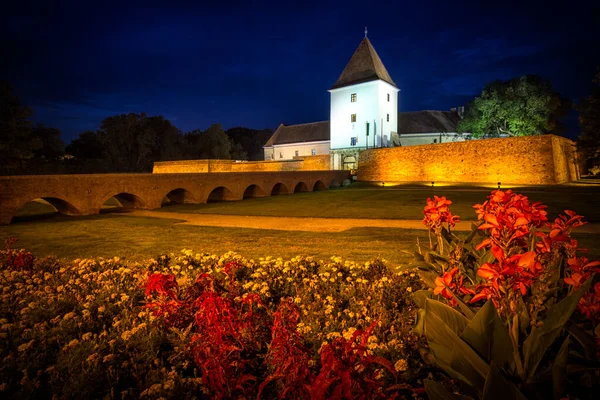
(507, 309)
(194, 325)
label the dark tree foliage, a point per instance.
(212, 143)
(25, 148)
(251, 140)
(133, 142)
(522, 106)
(589, 120)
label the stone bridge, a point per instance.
(85, 194)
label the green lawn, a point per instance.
(116, 234)
(394, 202)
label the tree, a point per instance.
(133, 142)
(251, 140)
(213, 143)
(520, 107)
(589, 120)
(51, 145)
(17, 145)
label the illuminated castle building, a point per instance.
(364, 114)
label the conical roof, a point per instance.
(364, 66)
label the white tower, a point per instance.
(364, 107)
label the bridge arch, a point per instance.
(178, 196)
(253, 191)
(319, 185)
(44, 206)
(123, 200)
(300, 187)
(220, 193)
(278, 189)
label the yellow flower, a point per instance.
(401, 365)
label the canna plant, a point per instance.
(533, 337)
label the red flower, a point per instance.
(163, 284)
(437, 212)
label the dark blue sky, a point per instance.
(265, 63)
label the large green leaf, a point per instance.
(585, 339)
(559, 369)
(474, 231)
(497, 387)
(541, 338)
(420, 296)
(455, 320)
(443, 325)
(437, 391)
(487, 334)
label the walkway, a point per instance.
(305, 224)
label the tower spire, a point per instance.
(366, 32)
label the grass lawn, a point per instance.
(135, 238)
(394, 202)
(141, 238)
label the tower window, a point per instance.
(353, 141)
(388, 97)
(313, 152)
(280, 155)
(353, 118)
(388, 118)
(296, 153)
(434, 140)
(353, 98)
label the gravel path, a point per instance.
(305, 224)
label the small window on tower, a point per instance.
(296, 153)
(434, 140)
(353, 118)
(313, 152)
(353, 141)
(388, 97)
(353, 98)
(280, 155)
(388, 118)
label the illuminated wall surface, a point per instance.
(288, 151)
(371, 106)
(533, 160)
(301, 163)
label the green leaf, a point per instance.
(437, 391)
(487, 334)
(559, 369)
(541, 338)
(474, 231)
(466, 310)
(585, 339)
(421, 265)
(497, 387)
(443, 326)
(419, 328)
(420, 296)
(452, 318)
(432, 257)
(428, 277)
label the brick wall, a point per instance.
(535, 160)
(301, 163)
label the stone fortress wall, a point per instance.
(300, 163)
(531, 160)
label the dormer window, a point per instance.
(353, 98)
(353, 118)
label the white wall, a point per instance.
(288, 151)
(371, 106)
(415, 139)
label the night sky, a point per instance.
(259, 65)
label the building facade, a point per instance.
(363, 114)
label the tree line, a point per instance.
(521, 106)
(123, 143)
